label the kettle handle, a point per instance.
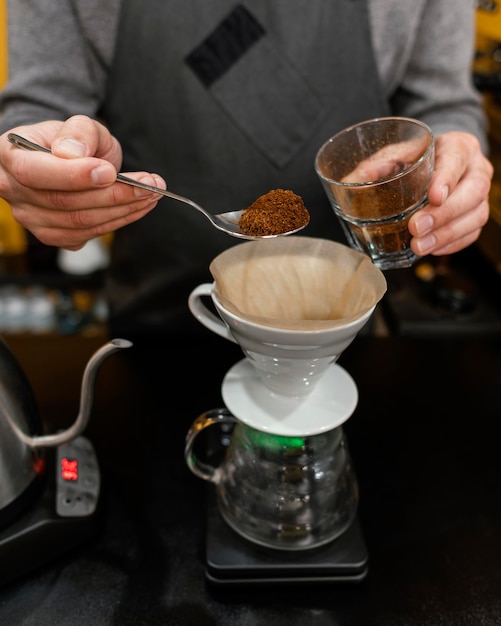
(86, 400)
(201, 469)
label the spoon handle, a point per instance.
(26, 144)
(130, 181)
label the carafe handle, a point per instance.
(204, 470)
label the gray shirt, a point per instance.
(60, 57)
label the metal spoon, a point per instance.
(227, 222)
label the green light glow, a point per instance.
(276, 442)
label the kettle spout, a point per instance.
(86, 399)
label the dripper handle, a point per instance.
(203, 470)
(204, 315)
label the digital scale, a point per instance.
(233, 560)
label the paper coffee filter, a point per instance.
(297, 282)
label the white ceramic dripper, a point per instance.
(292, 304)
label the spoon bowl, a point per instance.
(226, 222)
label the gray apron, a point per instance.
(226, 101)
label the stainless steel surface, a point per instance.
(18, 402)
(226, 222)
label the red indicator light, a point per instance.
(39, 465)
(69, 469)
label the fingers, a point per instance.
(80, 136)
(71, 190)
(458, 197)
(70, 219)
(75, 237)
(65, 199)
(87, 211)
(387, 161)
(42, 171)
(39, 170)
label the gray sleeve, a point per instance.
(59, 55)
(426, 69)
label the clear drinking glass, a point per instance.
(376, 176)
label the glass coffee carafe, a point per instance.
(290, 493)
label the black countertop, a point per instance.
(425, 441)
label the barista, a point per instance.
(226, 101)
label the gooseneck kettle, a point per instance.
(22, 443)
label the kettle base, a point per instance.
(42, 534)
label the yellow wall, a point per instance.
(489, 19)
(12, 235)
